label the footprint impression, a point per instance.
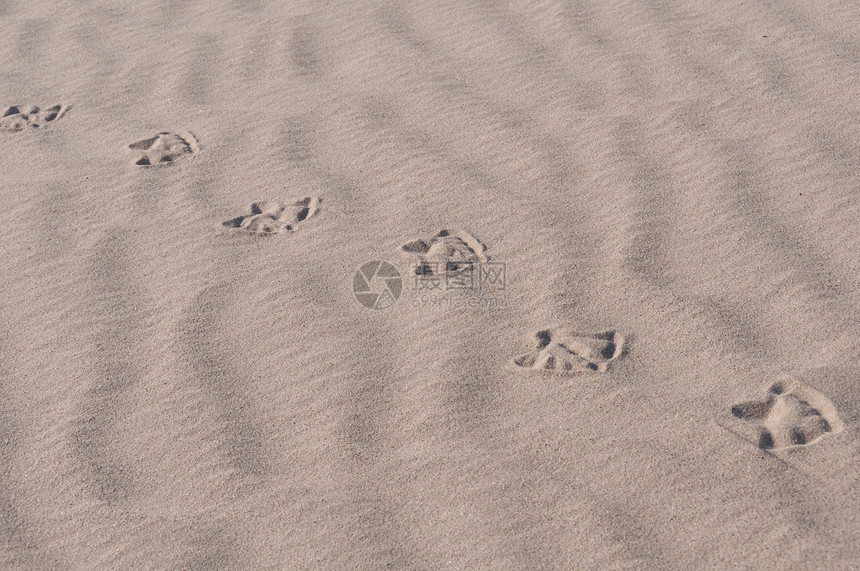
(266, 218)
(570, 352)
(20, 117)
(789, 414)
(447, 252)
(163, 148)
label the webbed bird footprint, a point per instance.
(571, 352)
(789, 414)
(446, 252)
(272, 217)
(163, 148)
(20, 117)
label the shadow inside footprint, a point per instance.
(571, 352)
(268, 218)
(447, 252)
(163, 148)
(789, 414)
(20, 117)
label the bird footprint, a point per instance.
(789, 414)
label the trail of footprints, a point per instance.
(788, 414)
(21, 117)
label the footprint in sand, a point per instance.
(268, 218)
(445, 253)
(20, 117)
(789, 414)
(570, 352)
(163, 148)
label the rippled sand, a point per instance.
(521, 285)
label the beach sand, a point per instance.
(452, 284)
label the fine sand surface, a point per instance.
(654, 362)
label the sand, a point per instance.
(452, 284)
